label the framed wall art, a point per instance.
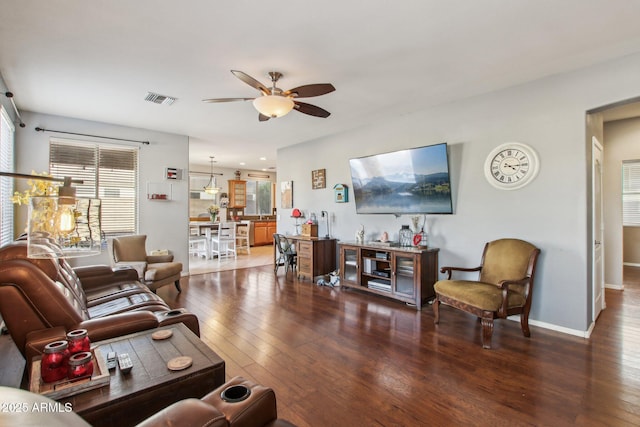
(286, 194)
(318, 179)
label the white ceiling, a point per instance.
(97, 60)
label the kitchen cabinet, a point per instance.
(263, 232)
(237, 194)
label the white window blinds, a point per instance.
(631, 193)
(109, 173)
(6, 184)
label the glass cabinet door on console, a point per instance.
(404, 272)
(349, 262)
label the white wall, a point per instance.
(164, 222)
(621, 142)
(551, 212)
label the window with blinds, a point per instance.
(109, 172)
(631, 193)
(6, 184)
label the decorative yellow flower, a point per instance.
(37, 187)
(214, 209)
(46, 217)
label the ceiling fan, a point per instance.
(274, 102)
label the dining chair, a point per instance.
(285, 253)
(223, 243)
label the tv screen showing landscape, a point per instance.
(412, 181)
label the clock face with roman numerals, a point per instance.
(511, 166)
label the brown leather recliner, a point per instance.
(41, 299)
(258, 409)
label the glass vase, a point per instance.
(405, 236)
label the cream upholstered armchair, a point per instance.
(153, 270)
(503, 289)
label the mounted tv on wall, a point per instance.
(411, 181)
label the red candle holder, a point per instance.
(53, 366)
(80, 365)
(78, 341)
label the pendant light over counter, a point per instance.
(212, 185)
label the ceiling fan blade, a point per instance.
(262, 117)
(226, 99)
(311, 110)
(307, 91)
(251, 81)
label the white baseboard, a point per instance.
(612, 286)
(587, 334)
(545, 325)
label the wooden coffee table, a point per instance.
(150, 386)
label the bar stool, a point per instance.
(242, 236)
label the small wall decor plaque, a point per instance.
(318, 179)
(341, 193)
(173, 173)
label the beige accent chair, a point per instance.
(503, 289)
(153, 270)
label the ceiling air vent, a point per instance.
(156, 98)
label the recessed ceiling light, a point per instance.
(242, 163)
(263, 158)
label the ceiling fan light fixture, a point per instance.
(273, 105)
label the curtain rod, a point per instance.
(39, 129)
(15, 108)
(206, 173)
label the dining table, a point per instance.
(204, 228)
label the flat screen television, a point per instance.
(411, 181)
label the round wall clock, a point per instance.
(510, 166)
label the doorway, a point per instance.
(612, 133)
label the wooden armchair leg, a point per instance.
(487, 332)
(177, 283)
(524, 323)
(436, 310)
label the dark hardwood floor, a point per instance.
(343, 358)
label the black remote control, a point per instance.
(112, 361)
(124, 361)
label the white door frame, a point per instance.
(597, 224)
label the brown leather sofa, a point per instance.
(42, 299)
(258, 409)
